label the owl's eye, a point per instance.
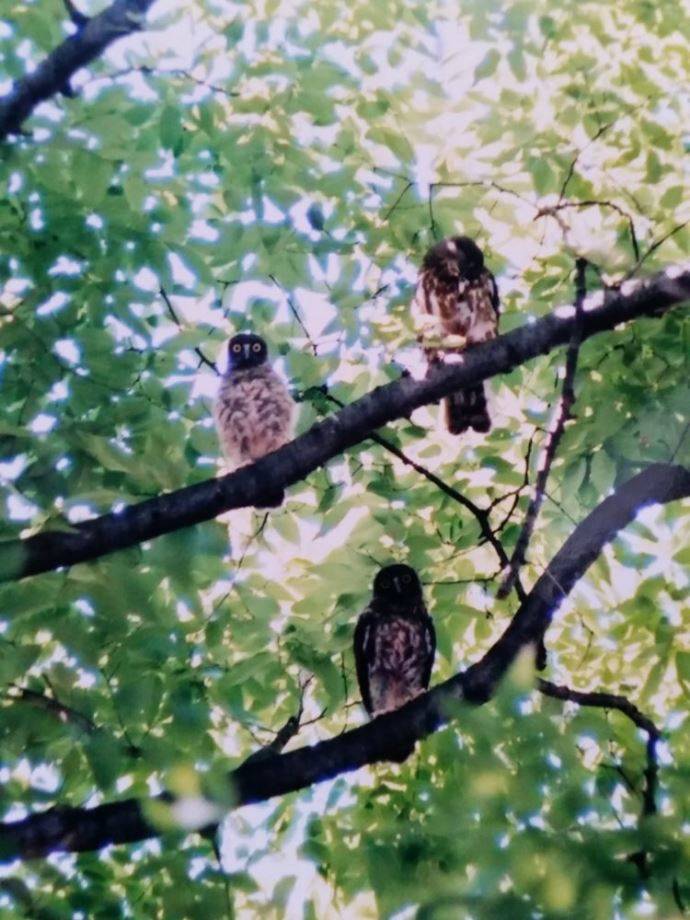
(385, 583)
(406, 579)
(256, 347)
(236, 347)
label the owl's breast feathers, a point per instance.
(394, 653)
(462, 306)
(253, 413)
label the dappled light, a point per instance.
(182, 727)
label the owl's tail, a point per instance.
(467, 409)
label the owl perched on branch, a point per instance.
(457, 305)
(254, 411)
(394, 644)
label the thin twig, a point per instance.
(180, 325)
(604, 700)
(257, 533)
(397, 201)
(551, 211)
(479, 183)
(680, 442)
(296, 314)
(564, 414)
(654, 246)
(480, 514)
(62, 712)
(285, 733)
(573, 163)
(148, 71)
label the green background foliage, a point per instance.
(261, 162)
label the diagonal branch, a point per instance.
(61, 711)
(292, 463)
(178, 322)
(121, 18)
(480, 514)
(79, 829)
(564, 414)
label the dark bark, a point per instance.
(604, 700)
(252, 484)
(77, 829)
(519, 555)
(54, 73)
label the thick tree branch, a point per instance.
(54, 73)
(325, 440)
(563, 416)
(79, 829)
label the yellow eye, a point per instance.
(236, 347)
(256, 347)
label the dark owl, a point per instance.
(253, 410)
(457, 290)
(394, 643)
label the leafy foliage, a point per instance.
(283, 166)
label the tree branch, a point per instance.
(564, 415)
(121, 18)
(62, 712)
(79, 829)
(613, 701)
(622, 704)
(481, 515)
(292, 463)
(180, 325)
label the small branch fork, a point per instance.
(603, 700)
(287, 731)
(517, 560)
(81, 829)
(175, 318)
(481, 515)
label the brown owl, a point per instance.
(253, 410)
(457, 290)
(394, 644)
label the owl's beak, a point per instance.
(246, 348)
(396, 582)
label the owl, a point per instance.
(461, 295)
(394, 644)
(254, 412)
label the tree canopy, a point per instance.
(173, 659)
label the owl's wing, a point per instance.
(364, 649)
(430, 649)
